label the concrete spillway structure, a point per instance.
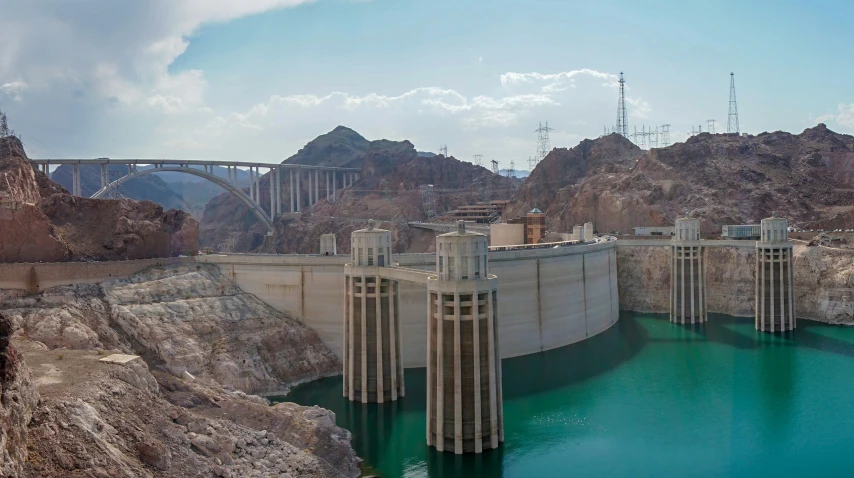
(687, 274)
(775, 302)
(373, 364)
(464, 402)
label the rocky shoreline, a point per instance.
(182, 407)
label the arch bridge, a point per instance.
(333, 177)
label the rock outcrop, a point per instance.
(722, 179)
(18, 400)
(824, 280)
(41, 222)
(179, 410)
(103, 419)
(184, 319)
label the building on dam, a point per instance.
(373, 365)
(464, 400)
(687, 274)
(775, 302)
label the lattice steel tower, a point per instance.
(478, 160)
(622, 125)
(543, 145)
(732, 119)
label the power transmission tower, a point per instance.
(665, 135)
(732, 119)
(478, 159)
(711, 126)
(494, 167)
(511, 173)
(428, 201)
(653, 137)
(622, 125)
(543, 145)
(444, 150)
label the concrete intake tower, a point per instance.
(464, 403)
(775, 302)
(687, 274)
(373, 365)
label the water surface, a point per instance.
(645, 398)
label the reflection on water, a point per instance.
(645, 397)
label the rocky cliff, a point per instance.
(722, 179)
(18, 400)
(183, 319)
(40, 221)
(824, 280)
(181, 409)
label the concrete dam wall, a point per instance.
(547, 298)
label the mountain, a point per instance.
(722, 179)
(145, 188)
(388, 189)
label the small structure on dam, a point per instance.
(687, 274)
(464, 402)
(775, 302)
(373, 366)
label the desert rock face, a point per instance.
(824, 280)
(184, 319)
(722, 179)
(40, 221)
(18, 400)
(179, 410)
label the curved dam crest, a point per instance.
(547, 298)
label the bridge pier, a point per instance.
(687, 274)
(333, 187)
(316, 187)
(75, 179)
(373, 362)
(326, 175)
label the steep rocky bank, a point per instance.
(182, 319)
(18, 400)
(722, 179)
(40, 221)
(180, 409)
(824, 281)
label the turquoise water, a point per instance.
(645, 398)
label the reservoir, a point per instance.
(644, 398)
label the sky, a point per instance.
(257, 79)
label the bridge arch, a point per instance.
(253, 206)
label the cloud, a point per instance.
(554, 82)
(116, 51)
(14, 89)
(843, 117)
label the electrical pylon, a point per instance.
(732, 119)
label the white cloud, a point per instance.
(14, 89)
(554, 82)
(843, 117)
(118, 52)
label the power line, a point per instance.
(732, 118)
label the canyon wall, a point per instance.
(824, 280)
